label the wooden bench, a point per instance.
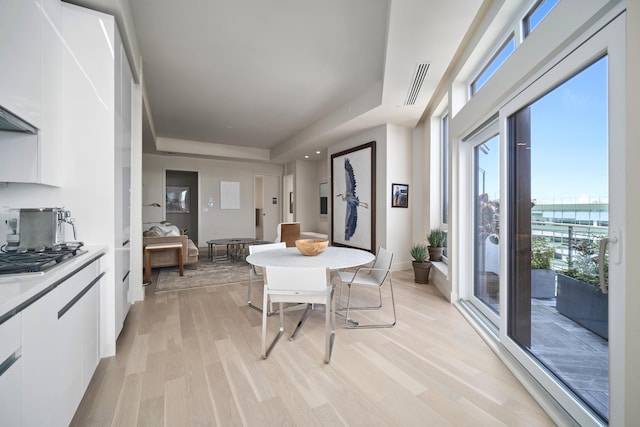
(151, 247)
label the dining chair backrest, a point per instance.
(382, 265)
(288, 232)
(307, 285)
(297, 279)
(266, 247)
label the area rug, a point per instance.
(207, 274)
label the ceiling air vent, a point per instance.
(416, 83)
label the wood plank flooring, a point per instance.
(192, 358)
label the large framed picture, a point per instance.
(177, 199)
(353, 195)
(399, 195)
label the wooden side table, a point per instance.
(151, 247)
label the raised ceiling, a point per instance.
(278, 79)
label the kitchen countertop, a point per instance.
(15, 289)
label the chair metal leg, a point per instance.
(353, 324)
(249, 290)
(266, 352)
(305, 314)
(330, 326)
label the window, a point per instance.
(444, 171)
(537, 13)
(496, 61)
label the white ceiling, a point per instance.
(284, 78)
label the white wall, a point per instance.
(399, 230)
(307, 192)
(323, 174)
(214, 223)
(378, 134)
(395, 149)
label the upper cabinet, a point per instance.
(31, 88)
(20, 58)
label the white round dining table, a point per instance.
(333, 257)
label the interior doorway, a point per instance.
(268, 203)
(181, 201)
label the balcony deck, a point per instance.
(575, 353)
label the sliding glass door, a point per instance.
(486, 221)
(564, 197)
(558, 181)
(547, 203)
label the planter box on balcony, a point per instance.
(543, 283)
(584, 304)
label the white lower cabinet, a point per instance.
(10, 395)
(60, 348)
(39, 362)
(10, 371)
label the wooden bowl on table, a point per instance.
(311, 247)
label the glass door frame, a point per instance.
(609, 40)
(484, 133)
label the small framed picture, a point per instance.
(178, 199)
(399, 195)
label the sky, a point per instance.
(569, 135)
(569, 148)
(569, 138)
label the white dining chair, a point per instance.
(258, 271)
(370, 277)
(307, 285)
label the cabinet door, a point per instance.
(10, 371)
(20, 59)
(123, 181)
(90, 335)
(50, 148)
(19, 159)
(39, 363)
(10, 395)
(69, 355)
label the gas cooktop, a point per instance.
(37, 260)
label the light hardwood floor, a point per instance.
(193, 358)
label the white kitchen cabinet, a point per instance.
(102, 111)
(90, 336)
(31, 88)
(123, 84)
(18, 157)
(10, 371)
(20, 58)
(39, 362)
(77, 338)
(60, 333)
(50, 153)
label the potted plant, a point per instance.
(579, 295)
(437, 240)
(543, 278)
(421, 264)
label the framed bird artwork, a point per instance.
(353, 197)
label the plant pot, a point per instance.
(421, 271)
(435, 253)
(543, 283)
(584, 304)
